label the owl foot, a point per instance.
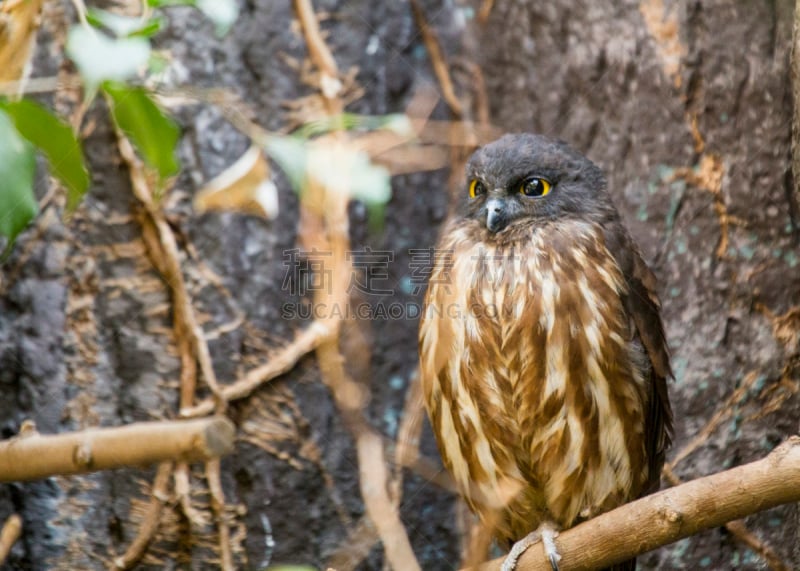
(547, 534)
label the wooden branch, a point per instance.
(277, 365)
(738, 530)
(32, 456)
(673, 514)
(9, 535)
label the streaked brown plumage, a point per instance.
(543, 357)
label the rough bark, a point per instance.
(688, 107)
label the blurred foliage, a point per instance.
(100, 57)
(153, 134)
(341, 168)
(17, 164)
(114, 57)
(57, 141)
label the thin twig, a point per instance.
(438, 61)
(348, 395)
(353, 550)
(183, 491)
(318, 50)
(163, 251)
(80, 8)
(407, 447)
(478, 85)
(39, 85)
(283, 361)
(9, 535)
(167, 260)
(485, 11)
(218, 507)
(373, 474)
(152, 518)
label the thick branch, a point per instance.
(739, 531)
(32, 456)
(673, 514)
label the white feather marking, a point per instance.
(471, 326)
(549, 287)
(450, 443)
(612, 437)
(613, 281)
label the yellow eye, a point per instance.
(476, 188)
(535, 187)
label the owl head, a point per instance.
(532, 178)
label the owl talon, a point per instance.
(510, 562)
(547, 534)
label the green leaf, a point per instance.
(151, 27)
(154, 134)
(158, 63)
(123, 26)
(222, 12)
(100, 58)
(58, 143)
(376, 216)
(163, 3)
(291, 154)
(18, 205)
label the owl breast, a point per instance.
(532, 378)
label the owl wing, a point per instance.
(644, 310)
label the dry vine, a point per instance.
(9, 535)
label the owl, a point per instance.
(543, 358)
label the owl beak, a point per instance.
(496, 218)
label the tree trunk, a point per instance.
(686, 105)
